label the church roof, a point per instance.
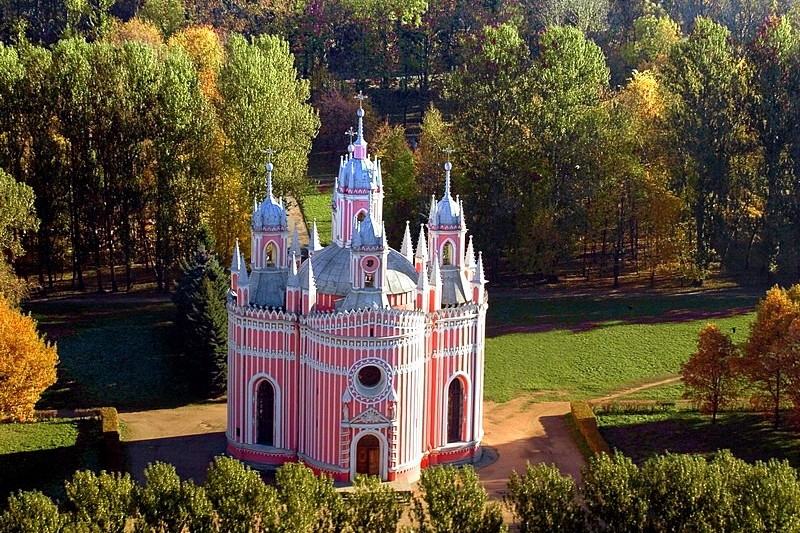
(447, 212)
(268, 287)
(455, 287)
(331, 267)
(362, 299)
(271, 212)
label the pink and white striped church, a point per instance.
(360, 359)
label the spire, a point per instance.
(269, 153)
(447, 166)
(406, 248)
(293, 280)
(243, 275)
(432, 213)
(423, 284)
(469, 256)
(360, 146)
(436, 276)
(236, 261)
(295, 247)
(308, 282)
(461, 214)
(313, 242)
(479, 279)
(422, 246)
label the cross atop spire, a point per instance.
(269, 153)
(447, 166)
(351, 133)
(360, 147)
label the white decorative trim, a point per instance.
(266, 354)
(371, 418)
(384, 452)
(252, 411)
(359, 392)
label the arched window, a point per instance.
(265, 414)
(455, 410)
(269, 255)
(369, 280)
(447, 253)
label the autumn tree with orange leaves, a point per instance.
(27, 364)
(768, 362)
(710, 375)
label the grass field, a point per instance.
(749, 436)
(42, 455)
(113, 351)
(318, 207)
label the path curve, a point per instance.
(633, 390)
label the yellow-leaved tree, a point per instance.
(27, 364)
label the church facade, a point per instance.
(360, 359)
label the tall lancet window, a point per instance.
(447, 253)
(265, 414)
(269, 255)
(455, 410)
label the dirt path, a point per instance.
(295, 218)
(519, 431)
(633, 390)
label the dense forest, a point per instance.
(599, 137)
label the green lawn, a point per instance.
(567, 364)
(318, 207)
(42, 455)
(748, 435)
(113, 351)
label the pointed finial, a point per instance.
(269, 153)
(422, 245)
(447, 166)
(236, 260)
(436, 276)
(313, 243)
(479, 278)
(407, 248)
(361, 153)
(422, 280)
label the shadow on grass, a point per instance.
(749, 436)
(114, 351)
(46, 470)
(539, 312)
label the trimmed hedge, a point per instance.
(586, 423)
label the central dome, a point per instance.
(332, 271)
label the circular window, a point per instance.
(370, 380)
(369, 376)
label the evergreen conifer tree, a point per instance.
(201, 322)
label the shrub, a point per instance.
(372, 506)
(453, 499)
(544, 501)
(31, 511)
(587, 425)
(241, 499)
(613, 494)
(105, 500)
(168, 504)
(309, 502)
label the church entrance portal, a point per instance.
(265, 420)
(368, 456)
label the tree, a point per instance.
(242, 501)
(654, 36)
(766, 361)
(454, 500)
(402, 201)
(31, 511)
(167, 503)
(544, 500)
(707, 81)
(309, 502)
(614, 495)
(434, 138)
(27, 364)
(169, 16)
(372, 506)
(710, 375)
(264, 106)
(17, 214)
(105, 500)
(201, 320)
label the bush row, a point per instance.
(680, 493)
(586, 423)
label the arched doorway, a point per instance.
(455, 410)
(368, 456)
(265, 414)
